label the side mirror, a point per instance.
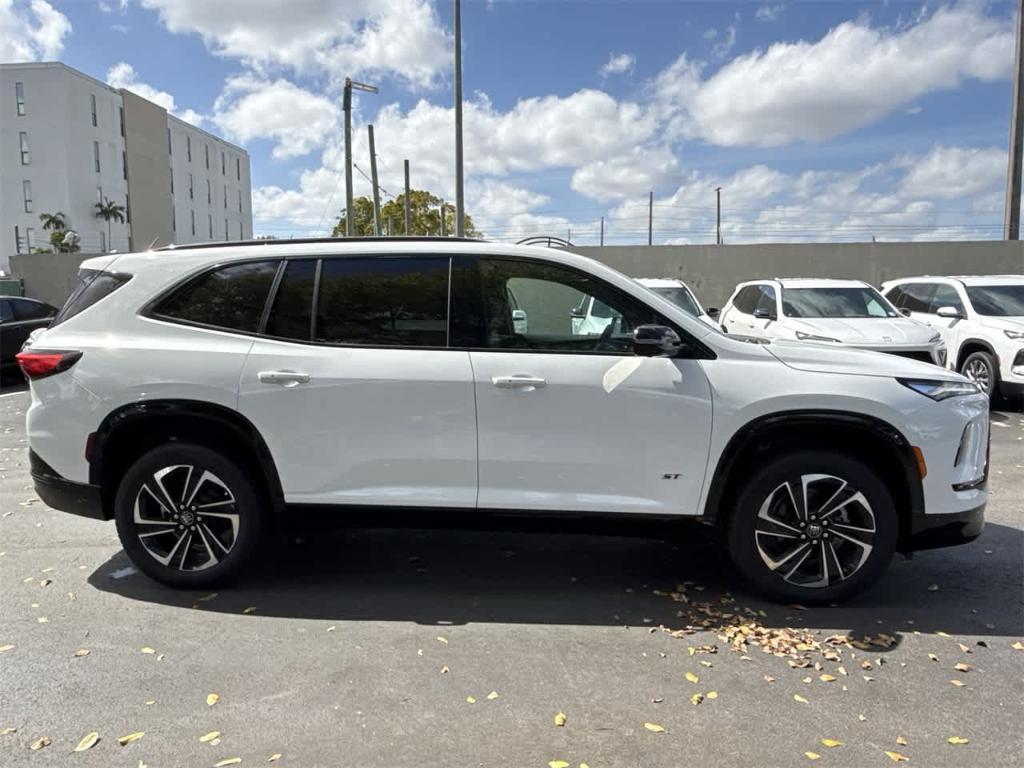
(950, 312)
(656, 341)
(905, 312)
(713, 312)
(764, 314)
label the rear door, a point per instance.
(9, 332)
(353, 387)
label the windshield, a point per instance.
(835, 302)
(997, 300)
(680, 297)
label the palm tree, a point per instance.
(109, 211)
(55, 221)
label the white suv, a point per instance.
(847, 313)
(196, 394)
(981, 320)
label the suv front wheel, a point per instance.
(187, 516)
(812, 527)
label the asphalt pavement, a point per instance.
(454, 648)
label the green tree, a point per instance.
(424, 214)
(109, 211)
(56, 220)
(58, 244)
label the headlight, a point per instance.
(941, 390)
(811, 337)
(935, 338)
(1015, 335)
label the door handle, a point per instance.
(518, 382)
(286, 378)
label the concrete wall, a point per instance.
(48, 276)
(712, 271)
(148, 172)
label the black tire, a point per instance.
(753, 541)
(213, 550)
(981, 368)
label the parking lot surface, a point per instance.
(433, 647)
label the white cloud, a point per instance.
(769, 12)
(31, 31)
(298, 120)
(948, 173)
(335, 38)
(123, 75)
(631, 172)
(727, 40)
(618, 64)
(813, 91)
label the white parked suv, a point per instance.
(981, 320)
(195, 394)
(847, 313)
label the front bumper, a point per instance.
(63, 494)
(947, 530)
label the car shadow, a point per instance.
(454, 577)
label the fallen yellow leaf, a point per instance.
(812, 755)
(560, 719)
(558, 764)
(5, 731)
(801, 699)
(151, 702)
(961, 667)
(692, 678)
(956, 740)
(43, 620)
(88, 742)
(492, 695)
(826, 678)
(274, 757)
(42, 741)
(696, 699)
(228, 761)
(712, 694)
(958, 683)
(249, 610)
(211, 699)
(81, 652)
(584, 765)
(471, 700)
(1018, 646)
(654, 728)
(122, 740)
(933, 657)
(442, 640)
(209, 736)
(831, 743)
(901, 740)
(147, 649)
(445, 670)
(896, 757)
(4, 648)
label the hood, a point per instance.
(865, 330)
(1003, 323)
(826, 358)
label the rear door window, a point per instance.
(292, 311)
(231, 297)
(747, 299)
(6, 315)
(31, 310)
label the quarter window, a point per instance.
(231, 297)
(384, 302)
(292, 312)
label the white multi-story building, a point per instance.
(69, 141)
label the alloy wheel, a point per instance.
(815, 530)
(978, 371)
(186, 517)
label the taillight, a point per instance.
(37, 364)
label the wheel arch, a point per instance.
(128, 432)
(869, 439)
(970, 346)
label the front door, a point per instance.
(571, 420)
(358, 399)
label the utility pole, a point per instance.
(376, 189)
(650, 218)
(602, 230)
(460, 202)
(346, 103)
(718, 218)
(408, 209)
(444, 232)
(1011, 215)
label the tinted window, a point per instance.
(680, 297)
(92, 286)
(231, 297)
(946, 296)
(31, 310)
(5, 311)
(550, 296)
(290, 316)
(766, 299)
(997, 300)
(746, 299)
(896, 296)
(384, 302)
(917, 297)
(834, 302)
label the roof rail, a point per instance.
(308, 240)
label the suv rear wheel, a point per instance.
(187, 516)
(813, 527)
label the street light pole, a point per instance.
(373, 180)
(346, 105)
(1011, 215)
(718, 222)
(460, 202)
(408, 204)
(650, 217)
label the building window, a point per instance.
(99, 194)
(225, 229)
(191, 195)
(26, 193)
(103, 241)
(122, 119)
(209, 193)
(239, 230)
(124, 162)
(193, 223)
(26, 158)
(238, 168)
(223, 163)
(172, 181)
(188, 147)
(170, 146)
(207, 148)
(92, 101)
(19, 97)
(96, 155)
(174, 220)
(239, 201)
(209, 222)
(225, 197)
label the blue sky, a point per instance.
(824, 120)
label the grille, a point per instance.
(924, 357)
